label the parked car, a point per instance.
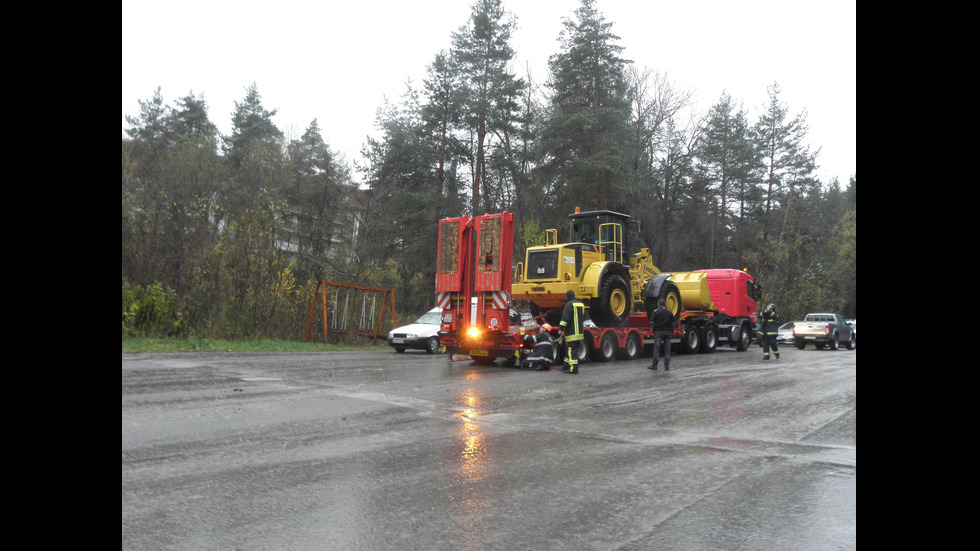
(421, 335)
(823, 330)
(785, 332)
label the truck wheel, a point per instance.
(633, 348)
(835, 342)
(613, 307)
(852, 342)
(607, 348)
(691, 341)
(801, 345)
(744, 338)
(709, 338)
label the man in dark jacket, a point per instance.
(769, 331)
(662, 324)
(572, 323)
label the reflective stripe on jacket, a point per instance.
(573, 317)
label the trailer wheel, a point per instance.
(606, 350)
(709, 338)
(583, 350)
(744, 338)
(691, 341)
(614, 305)
(633, 348)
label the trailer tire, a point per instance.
(709, 338)
(633, 348)
(583, 350)
(614, 305)
(691, 341)
(606, 350)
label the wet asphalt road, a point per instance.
(376, 451)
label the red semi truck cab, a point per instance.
(734, 292)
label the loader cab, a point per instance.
(607, 230)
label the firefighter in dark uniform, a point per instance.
(769, 330)
(572, 320)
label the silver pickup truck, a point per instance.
(822, 330)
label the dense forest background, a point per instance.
(225, 236)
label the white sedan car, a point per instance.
(421, 335)
(785, 332)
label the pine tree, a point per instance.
(483, 53)
(585, 140)
(729, 160)
(314, 197)
(441, 116)
(192, 118)
(789, 164)
(251, 124)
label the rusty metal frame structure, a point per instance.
(320, 284)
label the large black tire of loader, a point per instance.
(672, 299)
(614, 305)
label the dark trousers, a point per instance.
(661, 338)
(769, 341)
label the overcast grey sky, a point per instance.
(336, 61)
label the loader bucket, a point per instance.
(693, 287)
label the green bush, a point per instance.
(150, 312)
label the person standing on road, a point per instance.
(572, 322)
(662, 324)
(770, 330)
